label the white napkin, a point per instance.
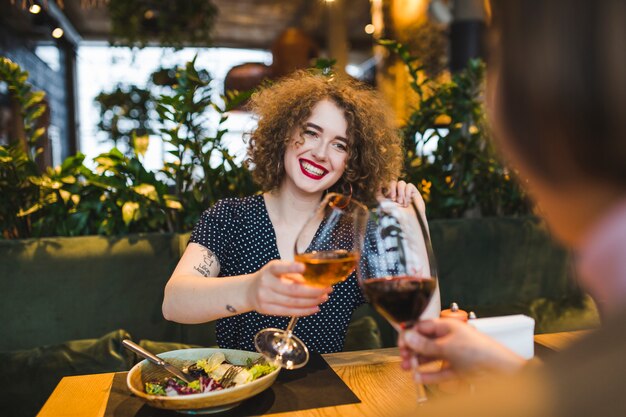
(515, 332)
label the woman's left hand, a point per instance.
(402, 193)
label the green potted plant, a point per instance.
(17, 159)
(450, 155)
(122, 196)
(124, 112)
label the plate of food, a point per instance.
(222, 379)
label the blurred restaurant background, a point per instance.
(76, 51)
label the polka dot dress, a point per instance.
(239, 232)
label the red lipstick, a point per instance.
(312, 175)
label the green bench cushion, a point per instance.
(500, 266)
(30, 376)
(59, 289)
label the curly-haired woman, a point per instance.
(315, 134)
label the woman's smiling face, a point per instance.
(316, 157)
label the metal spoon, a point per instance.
(128, 344)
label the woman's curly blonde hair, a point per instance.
(375, 148)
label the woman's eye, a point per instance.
(309, 134)
(341, 146)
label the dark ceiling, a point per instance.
(249, 23)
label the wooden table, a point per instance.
(373, 375)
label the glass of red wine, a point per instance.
(329, 246)
(397, 269)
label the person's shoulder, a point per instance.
(238, 206)
(240, 202)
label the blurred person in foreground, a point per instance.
(557, 99)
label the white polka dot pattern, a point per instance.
(239, 232)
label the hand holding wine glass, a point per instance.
(275, 291)
(397, 268)
(465, 350)
(329, 246)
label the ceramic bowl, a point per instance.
(205, 403)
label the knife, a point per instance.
(128, 344)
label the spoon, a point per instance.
(128, 344)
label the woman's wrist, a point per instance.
(249, 289)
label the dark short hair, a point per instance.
(562, 85)
(375, 147)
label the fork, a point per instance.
(228, 379)
(258, 361)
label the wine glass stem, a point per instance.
(283, 345)
(419, 387)
(292, 324)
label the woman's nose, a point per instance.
(319, 151)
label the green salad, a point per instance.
(208, 373)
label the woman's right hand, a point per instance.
(279, 289)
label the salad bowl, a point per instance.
(202, 403)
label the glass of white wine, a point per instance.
(329, 246)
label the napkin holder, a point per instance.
(515, 332)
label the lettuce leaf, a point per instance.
(211, 363)
(259, 370)
(154, 389)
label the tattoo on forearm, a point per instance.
(208, 259)
(231, 308)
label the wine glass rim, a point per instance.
(350, 200)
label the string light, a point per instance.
(57, 33)
(369, 28)
(84, 4)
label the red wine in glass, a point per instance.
(397, 269)
(400, 299)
